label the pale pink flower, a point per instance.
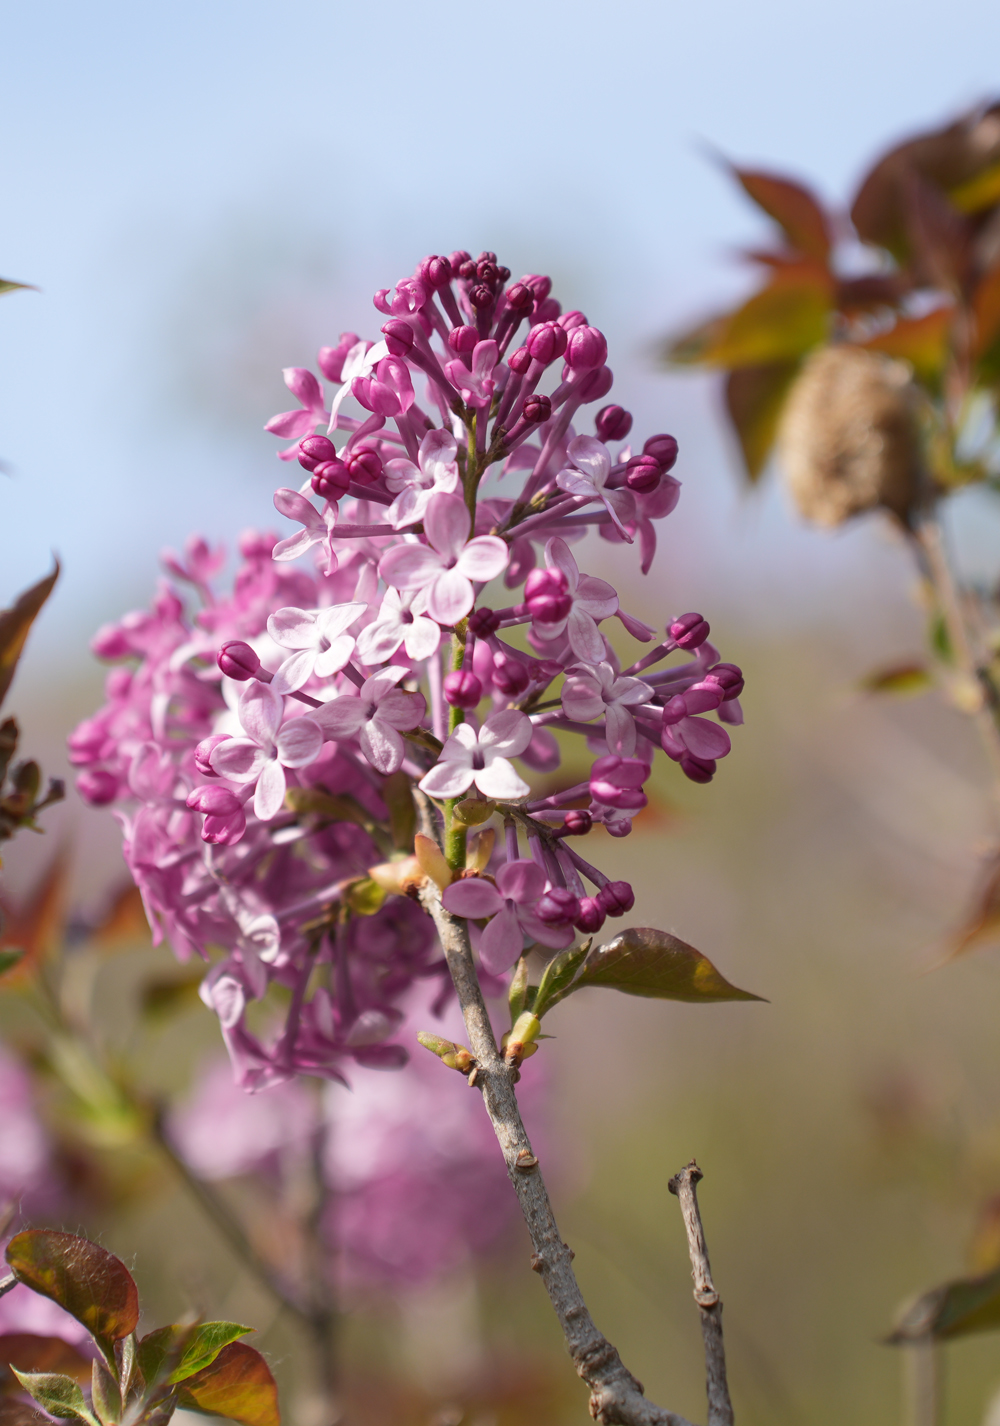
(323, 647)
(269, 747)
(415, 486)
(397, 624)
(444, 569)
(377, 715)
(590, 692)
(317, 529)
(303, 421)
(482, 758)
(593, 599)
(478, 385)
(520, 885)
(592, 460)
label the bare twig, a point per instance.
(685, 1186)
(922, 1382)
(7, 1283)
(616, 1397)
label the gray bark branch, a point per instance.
(616, 1397)
(720, 1408)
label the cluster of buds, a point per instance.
(322, 700)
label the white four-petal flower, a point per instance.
(269, 747)
(443, 570)
(323, 647)
(482, 758)
(592, 460)
(398, 624)
(593, 599)
(377, 714)
(589, 692)
(415, 485)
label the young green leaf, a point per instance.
(901, 679)
(59, 1395)
(15, 623)
(9, 957)
(644, 961)
(92, 1284)
(199, 1346)
(398, 797)
(955, 1309)
(517, 991)
(6, 285)
(105, 1395)
(558, 976)
(238, 1385)
(755, 397)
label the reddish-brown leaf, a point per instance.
(36, 926)
(125, 922)
(238, 1385)
(794, 208)
(940, 237)
(922, 341)
(986, 311)
(31, 1353)
(782, 322)
(15, 624)
(755, 396)
(92, 1284)
(20, 1413)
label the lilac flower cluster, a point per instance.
(385, 662)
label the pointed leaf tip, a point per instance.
(647, 962)
(91, 1284)
(238, 1385)
(955, 1309)
(15, 624)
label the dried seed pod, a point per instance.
(848, 439)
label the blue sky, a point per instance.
(205, 192)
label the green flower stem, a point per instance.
(454, 834)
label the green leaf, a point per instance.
(902, 679)
(9, 956)
(8, 743)
(365, 897)
(955, 1309)
(105, 1395)
(755, 397)
(238, 1385)
(331, 808)
(644, 961)
(15, 623)
(922, 341)
(6, 285)
(789, 317)
(91, 1284)
(59, 1395)
(793, 207)
(517, 991)
(197, 1346)
(398, 797)
(169, 995)
(557, 978)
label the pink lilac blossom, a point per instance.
(370, 646)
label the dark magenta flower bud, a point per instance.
(674, 710)
(569, 321)
(595, 384)
(612, 423)
(558, 907)
(520, 297)
(547, 342)
(592, 915)
(620, 828)
(487, 270)
(697, 769)
(662, 449)
(577, 822)
(331, 359)
(224, 831)
(547, 596)
(111, 642)
(462, 689)
(97, 786)
(481, 297)
(486, 256)
(314, 449)
(214, 801)
(537, 409)
(690, 631)
(238, 660)
(483, 622)
(642, 474)
(398, 336)
(365, 465)
(435, 271)
(730, 679)
(331, 479)
(203, 753)
(616, 897)
(586, 349)
(467, 268)
(540, 286)
(548, 310)
(519, 361)
(510, 675)
(462, 340)
(457, 258)
(503, 273)
(617, 782)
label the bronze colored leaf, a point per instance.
(645, 961)
(238, 1385)
(986, 311)
(19, 1413)
(978, 193)
(901, 679)
(955, 1309)
(755, 396)
(793, 207)
(91, 1284)
(922, 341)
(35, 928)
(940, 237)
(32, 1353)
(15, 624)
(783, 321)
(177, 1352)
(982, 925)
(124, 923)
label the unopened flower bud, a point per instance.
(616, 897)
(481, 297)
(592, 915)
(558, 907)
(331, 359)
(519, 361)
(729, 677)
(595, 384)
(586, 349)
(398, 336)
(483, 622)
(203, 753)
(224, 831)
(487, 270)
(214, 801)
(547, 596)
(330, 479)
(456, 259)
(435, 271)
(520, 297)
(97, 786)
(238, 660)
(510, 675)
(547, 311)
(697, 769)
(612, 423)
(537, 409)
(503, 273)
(617, 782)
(540, 286)
(467, 269)
(569, 321)
(663, 449)
(462, 340)
(642, 474)
(547, 342)
(462, 689)
(619, 827)
(689, 631)
(365, 465)
(577, 822)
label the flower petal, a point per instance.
(700, 736)
(296, 670)
(401, 710)
(472, 897)
(297, 507)
(270, 792)
(260, 710)
(483, 558)
(501, 943)
(500, 780)
(381, 745)
(521, 880)
(423, 638)
(410, 566)
(448, 523)
(299, 741)
(447, 779)
(294, 628)
(619, 730)
(508, 732)
(341, 717)
(239, 759)
(451, 597)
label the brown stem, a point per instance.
(922, 1382)
(685, 1186)
(616, 1397)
